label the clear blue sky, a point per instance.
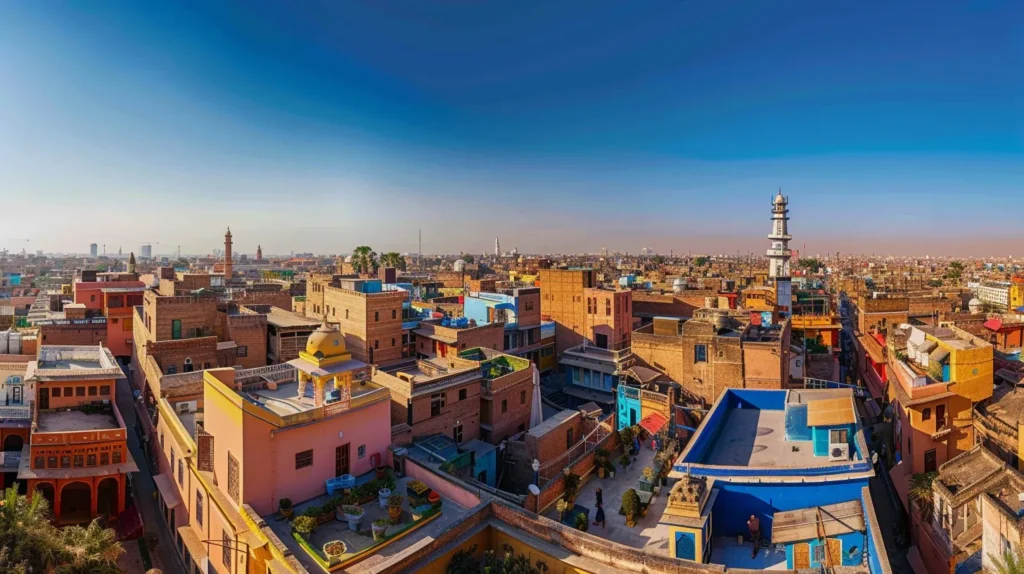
(559, 126)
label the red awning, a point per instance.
(993, 324)
(653, 422)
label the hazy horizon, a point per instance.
(559, 127)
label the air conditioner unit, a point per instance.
(839, 451)
(182, 408)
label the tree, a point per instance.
(630, 506)
(92, 549)
(464, 563)
(956, 269)
(468, 258)
(1010, 563)
(935, 283)
(921, 492)
(811, 264)
(700, 261)
(393, 259)
(510, 564)
(364, 260)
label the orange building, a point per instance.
(582, 309)
(77, 456)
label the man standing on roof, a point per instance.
(754, 526)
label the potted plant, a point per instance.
(382, 470)
(648, 474)
(624, 461)
(417, 492)
(434, 499)
(631, 506)
(383, 494)
(353, 514)
(601, 456)
(582, 521)
(395, 508)
(304, 525)
(572, 485)
(562, 505)
(334, 550)
(379, 527)
(611, 469)
(284, 506)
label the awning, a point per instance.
(937, 355)
(653, 422)
(167, 490)
(195, 547)
(993, 324)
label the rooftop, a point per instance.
(73, 362)
(76, 420)
(284, 398)
(286, 319)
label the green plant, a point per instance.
(631, 504)
(352, 510)
(1010, 563)
(582, 522)
(626, 436)
(648, 474)
(562, 505)
(311, 512)
(395, 500)
(448, 467)
(624, 460)
(284, 503)
(334, 548)
(381, 522)
(463, 562)
(921, 492)
(304, 524)
(572, 485)
(601, 454)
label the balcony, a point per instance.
(15, 413)
(10, 459)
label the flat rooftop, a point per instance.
(71, 421)
(74, 362)
(752, 437)
(284, 319)
(285, 399)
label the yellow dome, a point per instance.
(327, 341)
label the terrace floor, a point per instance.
(451, 513)
(647, 534)
(68, 421)
(752, 437)
(726, 551)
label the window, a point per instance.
(436, 404)
(376, 315)
(504, 405)
(394, 314)
(51, 462)
(376, 344)
(181, 473)
(93, 391)
(522, 427)
(568, 438)
(90, 460)
(233, 477)
(838, 436)
(522, 397)
(392, 341)
(700, 353)
(361, 451)
(117, 457)
(176, 329)
(172, 369)
(242, 351)
(528, 305)
(608, 307)
(38, 462)
(187, 367)
(303, 459)
(79, 391)
(105, 391)
(92, 298)
(65, 462)
(819, 553)
(457, 434)
(926, 415)
(206, 365)
(172, 458)
(226, 558)
(79, 461)
(56, 391)
(346, 313)
(199, 508)
(161, 439)
(104, 458)
(68, 391)
(940, 416)
(462, 394)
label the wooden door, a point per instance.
(44, 398)
(801, 556)
(835, 552)
(341, 460)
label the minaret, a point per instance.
(259, 253)
(131, 262)
(778, 256)
(228, 263)
(497, 248)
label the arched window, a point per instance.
(172, 369)
(187, 368)
(926, 414)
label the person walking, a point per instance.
(599, 496)
(754, 526)
(600, 519)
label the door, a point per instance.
(686, 546)
(17, 394)
(176, 329)
(835, 552)
(801, 556)
(341, 460)
(929, 461)
(44, 398)
(601, 340)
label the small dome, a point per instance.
(348, 259)
(460, 265)
(326, 341)
(975, 305)
(779, 199)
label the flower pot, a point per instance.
(395, 514)
(334, 550)
(353, 521)
(630, 522)
(434, 499)
(600, 472)
(378, 532)
(286, 512)
(382, 497)
(382, 471)
(611, 474)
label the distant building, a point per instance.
(93, 250)
(146, 251)
(584, 311)
(1001, 295)
(368, 312)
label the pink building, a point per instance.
(260, 435)
(114, 300)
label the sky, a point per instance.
(569, 126)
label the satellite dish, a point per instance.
(534, 490)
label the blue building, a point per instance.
(797, 460)
(472, 459)
(526, 335)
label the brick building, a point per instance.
(434, 339)
(715, 350)
(581, 309)
(368, 312)
(878, 314)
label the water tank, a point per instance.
(460, 265)
(975, 305)
(678, 285)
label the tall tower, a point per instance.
(497, 248)
(779, 254)
(259, 253)
(131, 262)
(228, 263)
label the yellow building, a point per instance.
(688, 517)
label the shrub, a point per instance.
(626, 436)
(311, 512)
(352, 510)
(631, 504)
(624, 460)
(381, 522)
(648, 474)
(304, 524)
(572, 484)
(582, 522)
(395, 500)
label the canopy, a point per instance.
(653, 422)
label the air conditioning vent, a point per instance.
(838, 452)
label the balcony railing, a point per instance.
(15, 413)
(10, 459)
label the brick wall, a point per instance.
(517, 414)
(250, 332)
(465, 412)
(90, 335)
(553, 443)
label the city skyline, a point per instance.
(307, 131)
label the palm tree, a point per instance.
(921, 491)
(364, 259)
(89, 549)
(1012, 562)
(26, 535)
(393, 259)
